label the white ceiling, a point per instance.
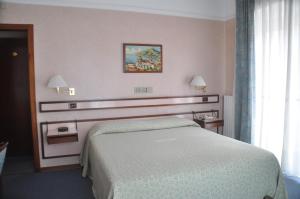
(207, 9)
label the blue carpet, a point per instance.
(18, 165)
(69, 184)
(47, 185)
(293, 187)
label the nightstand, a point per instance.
(62, 134)
(62, 138)
(211, 123)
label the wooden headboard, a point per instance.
(53, 151)
(97, 104)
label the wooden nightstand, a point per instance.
(209, 124)
(62, 138)
(62, 134)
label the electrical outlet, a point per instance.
(142, 90)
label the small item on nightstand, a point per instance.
(208, 117)
(62, 129)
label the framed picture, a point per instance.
(142, 58)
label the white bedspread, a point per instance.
(174, 159)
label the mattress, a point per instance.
(174, 158)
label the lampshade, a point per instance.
(198, 81)
(57, 82)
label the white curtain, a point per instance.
(276, 125)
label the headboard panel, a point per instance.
(44, 126)
(83, 105)
(86, 113)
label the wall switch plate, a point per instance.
(71, 91)
(72, 105)
(142, 90)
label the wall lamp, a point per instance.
(57, 82)
(199, 83)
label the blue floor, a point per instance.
(293, 187)
(69, 184)
(21, 182)
(47, 185)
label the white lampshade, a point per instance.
(57, 82)
(198, 81)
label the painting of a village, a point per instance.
(142, 58)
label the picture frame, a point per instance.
(142, 58)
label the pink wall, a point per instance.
(85, 47)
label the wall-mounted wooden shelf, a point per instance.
(209, 124)
(55, 136)
(57, 139)
(97, 104)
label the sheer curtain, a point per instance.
(276, 125)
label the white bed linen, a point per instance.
(174, 158)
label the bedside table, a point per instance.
(62, 138)
(208, 124)
(62, 134)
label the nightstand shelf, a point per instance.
(211, 123)
(57, 139)
(62, 134)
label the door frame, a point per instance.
(31, 73)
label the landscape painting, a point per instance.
(142, 58)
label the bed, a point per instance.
(174, 158)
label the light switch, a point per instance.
(142, 90)
(71, 91)
(72, 105)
